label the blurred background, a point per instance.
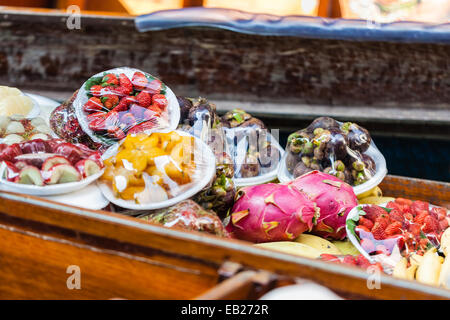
(436, 11)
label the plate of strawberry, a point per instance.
(404, 226)
(121, 101)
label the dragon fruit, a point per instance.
(334, 197)
(271, 212)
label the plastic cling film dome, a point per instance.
(117, 102)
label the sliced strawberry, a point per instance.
(52, 161)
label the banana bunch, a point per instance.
(373, 196)
(430, 268)
(306, 245)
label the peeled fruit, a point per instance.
(15, 127)
(30, 175)
(37, 122)
(295, 248)
(4, 121)
(87, 168)
(321, 244)
(41, 136)
(62, 173)
(12, 138)
(43, 128)
(429, 269)
(152, 193)
(15, 104)
(52, 161)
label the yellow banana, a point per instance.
(295, 248)
(346, 247)
(374, 192)
(375, 200)
(321, 244)
(429, 269)
(400, 269)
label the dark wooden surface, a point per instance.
(40, 239)
(39, 52)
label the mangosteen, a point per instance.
(300, 169)
(185, 106)
(324, 123)
(358, 137)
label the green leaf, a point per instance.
(387, 209)
(91, 82)
(351, 224)
(238, 117)
(422, 235)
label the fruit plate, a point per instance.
(204, 173)
(285, 176)
(47, 190)
(265, 177)
(166, 125)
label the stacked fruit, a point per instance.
(413, 226)
(118, 105)
(16, 129)
(151, 168)
(46, 162)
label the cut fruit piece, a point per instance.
(12, 138)
(15, 127)
(34, 159)
(62, 173)
(11, 171)
(41, 136)
(87, 167)
(50, 162)
(30, 175)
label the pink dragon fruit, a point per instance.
(334, 197)
(271, 212)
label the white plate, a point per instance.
(373, 152)
(264, 178)
(81, 99)
(47, 190)
(90, 197)
(205, 171)
(35, 110)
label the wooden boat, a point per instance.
(123, 257)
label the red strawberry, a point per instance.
(443, 224)
(367, 245)
(94, 104)
(349, 259)
(362, 261)
(403, 201)
(154, 87)
(378, 231)
(373, 211)
(366, 223)
(96, 90)
(430, 225)
(110, 79)
(420, 216)
(422, 205)
(409, 216)
(397, 240)
(396, 215)
(125, 84)
(160, 101)
(383, 219)
(98, 124)
(358, 229)
(142, 127)
(95, 115)
(441, 212)
(110, 101)
(139, 81)
(124, 103)
(415, 229)
(116, 133)
(394, 228)
(144, 99)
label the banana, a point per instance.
(445, 242)
(444, 277)
(400, 269)
(295, 248)
(321, 244)
(374, 192)
(346, 247)
(375, 200)
(429, 269)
